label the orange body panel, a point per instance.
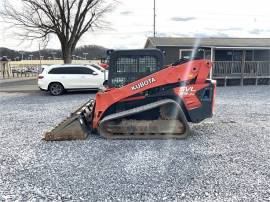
(187, 93)
(198, 69)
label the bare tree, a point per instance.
(69, 20)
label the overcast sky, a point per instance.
(132, 22)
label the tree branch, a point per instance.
(69, 20)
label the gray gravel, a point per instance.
(227, 158)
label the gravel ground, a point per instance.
(227, 158)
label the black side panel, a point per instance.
(127, 66)
(205, 111)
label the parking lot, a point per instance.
(227, 158)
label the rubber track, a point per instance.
(141, 109)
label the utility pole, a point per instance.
(39, 54)
(53, 54)
(21, 52)
(85, 54)
(154, 18)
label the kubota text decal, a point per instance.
(143, 83)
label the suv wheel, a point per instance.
(56, 88)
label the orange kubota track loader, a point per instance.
(144, 99)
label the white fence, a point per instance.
(27, 68)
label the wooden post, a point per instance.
(1, 67)
(4, 68)
(212, 60)
(243, 67)
(9, 69)
(226, 73)
(256, 73)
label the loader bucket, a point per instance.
(75, 127)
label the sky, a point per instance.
(131, 22)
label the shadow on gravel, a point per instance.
(45, 93)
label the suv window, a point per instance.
(82, 70)
(59, 70)
(71, 70)
(98, 67)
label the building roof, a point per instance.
(208, 42)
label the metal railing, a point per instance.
(240, 69)
(255, 68)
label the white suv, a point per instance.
(58, 78)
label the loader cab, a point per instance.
(127, 66)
